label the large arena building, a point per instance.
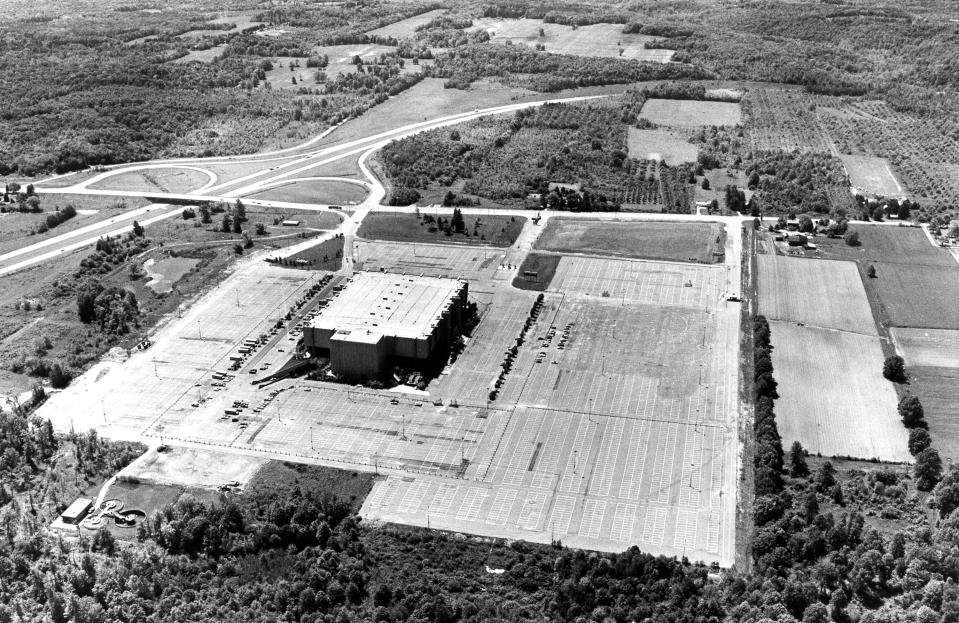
(381, 319)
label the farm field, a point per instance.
(872, 175)
(173, 180)
(660, 145)
(499, 231)
(690, 113)
(918, 296)
(938, 390)
(699, 242)
(405, 28)
(820, 293)
(832, 396)
(314, 191)
(927, 347)
(605, 40)
(780, 118)
(885, 243)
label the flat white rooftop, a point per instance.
(387, 304)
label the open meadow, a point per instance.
(820, 293)
(884, 243)
(690, 113)
(918, 296)
(660, 145)
(406, 28)
(938, 390)
(495, 230)
(832, 396)
(606, 40)
(170, 180)
(927, 347)
(681, 242)
(872, 175)
(314, 191)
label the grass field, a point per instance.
(919, 296)
(605, 40)
(308, 218)
(698, 242)
(820, 293)
(833, 397)
(691, 113)
(165, 273)
(885, 243)
(543, 265)
(872, 175)
(936, 388)
(406, 27)
(319, 192)
(499, 231)
(327, 255)
(425, 100)
(660, 145)
(927, 347)
(172, 180)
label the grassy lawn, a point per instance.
(327, 255)
(18, 229)
(885, 243)
(699, 242)
(544, 265)
(320, 192)
(495, 230)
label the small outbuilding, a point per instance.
(76, 512)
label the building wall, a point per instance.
(357, 360)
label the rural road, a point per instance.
(274, 169)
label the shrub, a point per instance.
(852, 239)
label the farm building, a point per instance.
(380, 319)
(797, 240)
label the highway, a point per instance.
(275, 168)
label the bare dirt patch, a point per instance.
(194, 467)
(872, 175)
